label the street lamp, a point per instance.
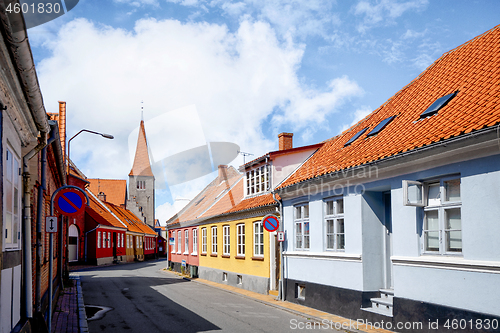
(104, 135)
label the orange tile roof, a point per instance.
(472, 69)
(100, 213)
(206, 198)
(254, 202)
(114, 189)
(142, 165)
(228, 201)
(133, 223)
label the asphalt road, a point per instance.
(142, 298)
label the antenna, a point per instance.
(244, 154)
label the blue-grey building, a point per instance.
(398, 218)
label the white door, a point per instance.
(73, 243)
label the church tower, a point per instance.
(141, 182)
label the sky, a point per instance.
(240, 72)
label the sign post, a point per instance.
(70, 201)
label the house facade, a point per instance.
(32, 167)
(395, 219)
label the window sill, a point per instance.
(240, 257)
(194, 253)
(448, 262)
(213, 254)
(203, 254)
(258, 258)
(186, 253)
(330, 255)
(226, 256)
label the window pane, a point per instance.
(341, 242)
(298, 212)
(340, 226)
(329, 227)
(415, 194)
(329, 208)
(306, 228)
(340, 206)
(433, 195)
(452, 188)
(431, 220)
(16, 173)
(329, 241)
(432, 241)
(298, 228)
(8, 227)
(8, 195)
(454, 241)
(306, 211)
(453, 219)
(306, 242)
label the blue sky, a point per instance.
(247, 70)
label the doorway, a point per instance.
(73, 234)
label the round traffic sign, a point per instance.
(70, 202)
(271, 223)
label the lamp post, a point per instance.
(104, 135)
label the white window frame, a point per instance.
(214, 239)
(98, 239)
(141, 184)
(195, 242)
(204, 240)
(12, 183)
(258, 239)
(226, 247)
(179, 241)
(334, 235)
(442, 207)
(186, 241)
(257, 180)
(109, 240)
(301, 224)
(240, 240)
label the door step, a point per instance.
(382, 305)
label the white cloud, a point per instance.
(384, 11)
(235, 80)
(357, 116)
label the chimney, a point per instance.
(285, 140)
(62, 126)
(101, 196)
(222, 173)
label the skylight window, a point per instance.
(381, 126)
(357, 135)
(437, 105)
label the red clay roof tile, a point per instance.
(472, 68)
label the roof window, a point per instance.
(438, 104)
(357, 135)
(381, 126)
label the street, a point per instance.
(143, 298)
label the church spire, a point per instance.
(142, 165)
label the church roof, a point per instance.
(142, 165)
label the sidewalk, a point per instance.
(308, 313)
(69, 314)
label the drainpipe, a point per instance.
(27, 257)
(40, 209)
(281, 290)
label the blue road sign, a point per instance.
(271, 223)
(70, 202)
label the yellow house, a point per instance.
(235, 249)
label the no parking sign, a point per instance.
(271, 222)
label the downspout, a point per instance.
(40, 209)
(281, 290)
(27, 255)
